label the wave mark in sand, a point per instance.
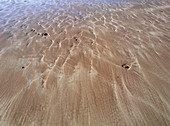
(82, 63)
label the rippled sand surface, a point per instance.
(61, 63)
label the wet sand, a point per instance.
(84, 64)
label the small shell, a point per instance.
(126, 66)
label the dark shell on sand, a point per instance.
(45, 34)
(126, 66)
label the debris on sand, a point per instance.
(32, 30)
(45, 34)
(126, 66)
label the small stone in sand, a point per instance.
(75, 39)
(126, 66)
(45, 34)
(32, 30)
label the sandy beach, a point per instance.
(84, 63)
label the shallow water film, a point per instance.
(84, 63)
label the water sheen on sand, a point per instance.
(84, 63)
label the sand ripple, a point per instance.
(61, 63)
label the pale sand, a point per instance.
(74, 75)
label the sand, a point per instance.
(61, 63)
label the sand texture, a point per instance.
(84, 63)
